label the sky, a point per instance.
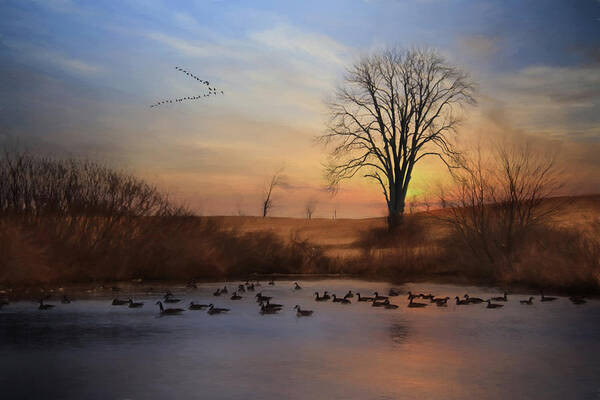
(77, 79)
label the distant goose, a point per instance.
(302, 313)
(271, 282)
(545, 298)
(502, 298)
(441, 302)
(427, 296)
(528, 301)
(363, 298)
(194, 306)
(340, 300)
(214, 310)
(389, 305)
(250, 287)
(378, 303)
(43, 306)
(319, 298)
(349, 295)
(217, 292)
(577, 300)
(135, 305)
(261, 298)
(378, 297)
(224, 290)
(117, 302)
(296, 286)
(493, 305)
(393, 292)
(460, 302)
(191, 285)
(268, 304)
(266, 310)
(168, 298)
(414, 304)
(168, 311)
(411, 295)
(241, 288)
(326, 296)
(235, 296)
(65, 300)
(473, 300)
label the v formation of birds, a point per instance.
(212, 91)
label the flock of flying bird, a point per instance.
(267, 307)
(212, 91)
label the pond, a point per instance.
(90, 349)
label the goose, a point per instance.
(168, 311)
(194, 306)
(214, 310)
(363, 298)
(393, 292)
(266, 310)
(501, 298)
(65, 300)
(241, 288)
(412, 296)
(302, 313)
(577, 300)
(168, 298)
(493, 305)
(349, 295)
(43, 306)
(473, 300)
(326, 296)
(441, 302)
(427, 296)
(413, 304)
(260, 297)
(318, 298)
(235, 296)
(268, 304)
(192, 285)
(296, 286)
(460, 302)
(117, 302)
(340, 300)
(528, 301)
(271, 282)
(217, 292)
(378, 303)
(250, 287)
(224, 290)
(544, 298)
(378, 297)
(389, 306)
(134, 305)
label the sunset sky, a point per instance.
(77, 78)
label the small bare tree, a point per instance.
(394, 108)
(310, 207)
(277, 179)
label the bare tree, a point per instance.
(277, 179)
(394, 108)
(310, 207)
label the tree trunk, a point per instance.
(395, 216)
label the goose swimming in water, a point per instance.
(169, 311)
(268, 304)
(217, 292)
(493, 305)
(412, 296)
(460, 302)
(260, 297)
(378, 303)
(473, 300)
(544, 298)
(414, 304)
(427, 296)
(441, 302)
(502, 298)
(527, 302)
(340, 300)
(235, 296)
(214, 310)
(271, 282)
(393, 292)
(43, 306)
(577, 300)
(268, 310)
(194, 306)
(302, 313)
(134, 305)
(168, 298)
(117, 302)
(296, 286)
(389, 306)
(319, 298)
(65, 300)
(349, 295)
(241, 288)
(363, 298)
(224, 290)
(378, 297)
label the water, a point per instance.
(92, 350)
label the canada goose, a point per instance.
(65, 300)
(192, 285)
(473, 300)
(302, 313)
(296, 286)
(250, 287)
(544, 298)
(214, 310)
(271, 282)
(266, 310)
(363, 298)
(241, 288)
(261, 298)
(411, 295)
(340, 300)
(318, 298)
(326, 296)
(427, 296)
(117, 302)
(194, 306)
(441, 302)
(349, 295)
(393, 292)
(235, 296)
(168, 311)
(134, 305)
(460, 302)
(493, 305)
(502, 298)
(217, 292)
(577, 300)
(389, 305)
(378, 297)
(413, 304)
(528, 301)
(43, 306)
(268, 304)
(377, 303)
(168, 298)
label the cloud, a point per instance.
(480, 46)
